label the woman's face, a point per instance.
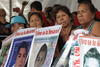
(16, 26)
(91, 62)
(84, 15)
(62, 18)
(35, 21)
(21, 57)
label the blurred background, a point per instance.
(9, 5)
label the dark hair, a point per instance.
(44, 48)
(62, 8)
(92, 53)
(79, 1)
(23, 44)
(48, 11)
(2, 10)
(56, 5)
(89, 3)
(37, 5)
(35, 13)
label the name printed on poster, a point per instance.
(46, 32)
(24, 32)
(92, 42)
(76, 61)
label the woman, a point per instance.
(63, 17)
(35, 20)
(86, 17)
(17, 22)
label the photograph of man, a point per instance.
(41, 56)
(19, 51)
(21, 55)
(92, 58)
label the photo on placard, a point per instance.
(41, 56)
(19, 51)
(90, 51)
(91, 55)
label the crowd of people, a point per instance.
(86, 17)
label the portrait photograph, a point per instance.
(19, 51)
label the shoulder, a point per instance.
(96, 28)
(97, 24)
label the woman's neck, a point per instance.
(86, 26)
(65, 32)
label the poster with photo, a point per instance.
(90, 51)
(71, 52)
(66, 58)
(43, 48)
(20, 47)
(5, 48)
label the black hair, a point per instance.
(37, 5)
(48, 11)
(90, 4)
(56, 5)
(92, 53)
(23, 44)
(36, 13)
(79, 1)
(2, 10)
(62, 8)
(44, 48)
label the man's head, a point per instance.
(21, 55)
(36, 6)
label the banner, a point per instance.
(20, 47)
(44, 45)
